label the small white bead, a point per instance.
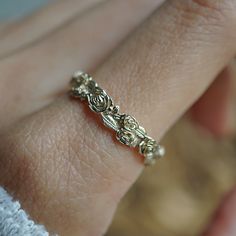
(160, 152)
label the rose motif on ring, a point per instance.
(127, 137)
(130, 123)
(151, 150)
(82, 84)
(99, 101)
(148, 147)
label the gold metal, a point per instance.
(127, 129)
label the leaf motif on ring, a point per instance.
(99, 101)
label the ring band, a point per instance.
(127, 129)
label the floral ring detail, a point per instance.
(128, 131)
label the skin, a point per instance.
(215, 110)
(66, 169)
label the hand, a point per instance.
(56, 158)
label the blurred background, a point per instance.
(178, 196)
(13, 9)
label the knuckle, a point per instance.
(213, 5)
(211, 11)
(209, 21)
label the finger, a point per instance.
(223, 223)
(192, 45)
(215, 110)
(17, 35)
(156, 75)
(83, 43)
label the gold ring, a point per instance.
(127, 129)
